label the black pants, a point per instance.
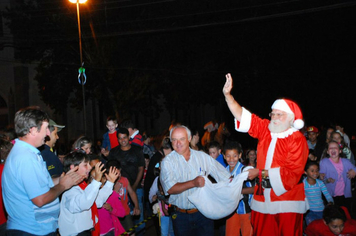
(85, 233)
(14, 232)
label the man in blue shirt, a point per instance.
(30, 195)
(54, 165)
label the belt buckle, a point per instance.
(265, 183)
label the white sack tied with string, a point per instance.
(215, 201)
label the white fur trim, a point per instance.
(276, 181)
(298, 124)
(268, 207)
(245, 123)
(280, 104)
(286, 133)
(270, 151)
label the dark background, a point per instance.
(137, 50)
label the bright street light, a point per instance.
(81, 61)
(80, 1)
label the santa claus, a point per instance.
(279, 200)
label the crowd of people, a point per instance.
(301, 180)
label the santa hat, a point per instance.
(291, 108)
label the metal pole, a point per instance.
(81, 64)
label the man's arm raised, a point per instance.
(234, 107)
(65, 182)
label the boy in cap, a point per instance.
(313, 134)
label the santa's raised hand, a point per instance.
(228, 85)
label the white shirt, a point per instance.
(153, 190)
(75, 210)
(175, 169)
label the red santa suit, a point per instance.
(284, 156)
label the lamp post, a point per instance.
(81, 69)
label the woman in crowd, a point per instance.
(251, 157)
(194, 142)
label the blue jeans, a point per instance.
(313, 215)
(166, 226)
(195, 224)
(139, 193)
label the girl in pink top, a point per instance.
(108, 215)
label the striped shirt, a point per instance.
(242, 207)
(313, 194)
(175, 169)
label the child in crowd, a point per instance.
(147, 147)
(78, 207)
(214, 151)
(336, 221)
(108, 215)
(124, 189)
(312, 156)
(161, 207)
(346, 151)
(241, 218)
(93, 160)
(84, 143)
(110, 138)
(313, 188)
(337, 173)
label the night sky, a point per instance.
(302, 50)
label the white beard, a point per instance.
(276, 126)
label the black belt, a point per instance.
(265, 183)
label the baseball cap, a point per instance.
(52, 123)
(312, 129)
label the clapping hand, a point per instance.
(70, 178)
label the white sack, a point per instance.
(216, 201)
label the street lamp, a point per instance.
(81, 69)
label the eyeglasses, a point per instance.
(277, 115)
